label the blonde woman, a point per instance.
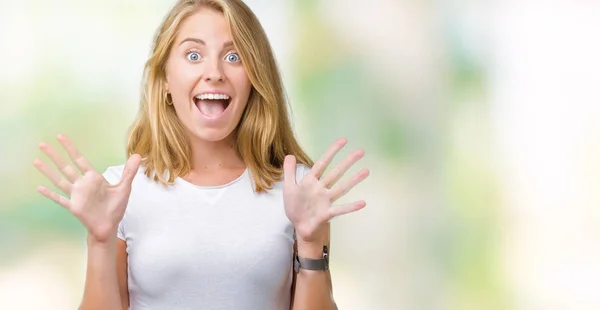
(217, 206)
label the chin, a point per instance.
(211, 134)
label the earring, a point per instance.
(167, 99)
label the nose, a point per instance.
(213, 71)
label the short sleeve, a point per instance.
(121, 231)
(301, 171)
(113, 176)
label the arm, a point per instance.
(122, 273)
(106, 277)
(100, 207)
(309, 206)
(313, 289)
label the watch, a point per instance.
(312, 263)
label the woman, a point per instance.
(217, 206)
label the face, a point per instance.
(205, 77)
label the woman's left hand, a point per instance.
(308, 204)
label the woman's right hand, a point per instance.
(97, 204)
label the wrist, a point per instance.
(312, 247)
(312, 250)
(312, 257)
(106, 243)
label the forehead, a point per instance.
(206, 24)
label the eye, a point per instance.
(193, 56)
(233, 57)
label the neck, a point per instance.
(211, 156)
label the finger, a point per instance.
(61, 200)
(82, 164)
(341, 190)
(131, 167)
(53, 176)
(67, 170)
(321, 164)
(289, 170)
(347, 208)
(338, 171)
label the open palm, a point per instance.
(98, 205)
(308, 204)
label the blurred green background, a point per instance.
(480, 121)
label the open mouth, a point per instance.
(212, 106)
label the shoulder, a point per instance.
(113, 174)
(301, 171)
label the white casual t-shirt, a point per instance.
(206, 247)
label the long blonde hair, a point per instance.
(264, 135)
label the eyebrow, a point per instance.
(227, 44)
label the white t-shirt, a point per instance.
(219, 247)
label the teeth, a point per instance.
(212, 97)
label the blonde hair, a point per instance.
(264, 135)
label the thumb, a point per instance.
(130, 170)
(289, 170)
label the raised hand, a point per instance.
(98, 205)
(308, 204)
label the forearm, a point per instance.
(101, 284)
(313, 287)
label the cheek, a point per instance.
(241, 82)
(180, 76)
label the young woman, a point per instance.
(217, 206)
